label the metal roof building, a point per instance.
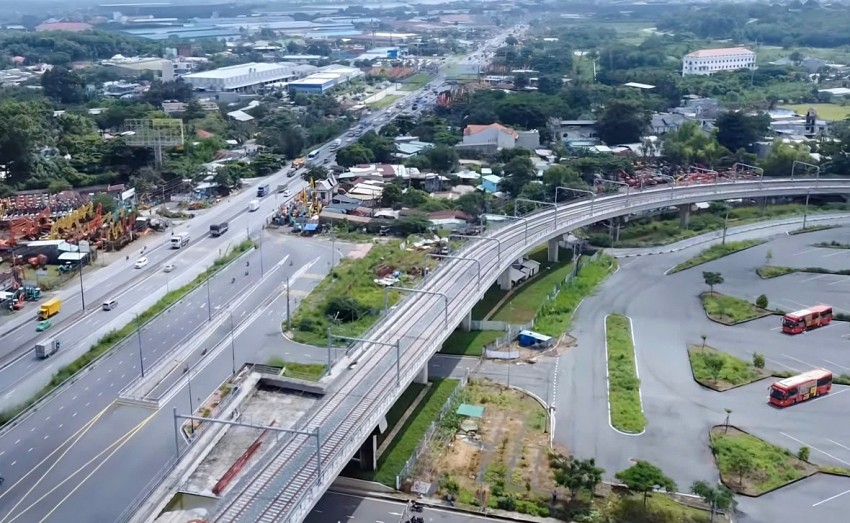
(240, 77)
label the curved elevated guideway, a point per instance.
(286, 485)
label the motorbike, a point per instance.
(415, 506)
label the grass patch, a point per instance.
(812, 228)
(730, 310)
(301, 371)
(114, 337)
(351, 281)
(400, 407)
(488, 302)
(470, 343)
(405, 442)
(415, 82)
(771, 466)
(835, 471)
(623, 383)
(651, 232)
(734, 371)
(832, 245)
(716, 252)
(774, 271)
(826, 111)
(525, 300)
(659, 507)
(556, 316)
(384, 102)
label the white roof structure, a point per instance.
(240, 76)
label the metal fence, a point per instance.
(425, 442)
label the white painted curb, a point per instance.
(608, 377)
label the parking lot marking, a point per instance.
(843, 280)
(811, 278)
(801, 442)
(782, 364)
(805, 252)
(836, 364)
(800, 361)
(839, 444)
(830, 255)
(831, 498)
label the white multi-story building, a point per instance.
(244, 77)
(707, 61)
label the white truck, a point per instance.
(45, 349)
(253, 205)
(336, 144)
(179, 240)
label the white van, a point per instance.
(108, 305)
(253, 205)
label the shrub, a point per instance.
(803, 453)
(761, 301)
(506, 503)
(758, 360)
(345, 308)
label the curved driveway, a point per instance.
(290, 483)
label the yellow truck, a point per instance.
(49, 308)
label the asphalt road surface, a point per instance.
(667, 316)
(346, 508)
(70, 451)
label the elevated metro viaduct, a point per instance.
(298, 471)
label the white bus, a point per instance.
(313, 154)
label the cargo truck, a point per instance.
(336, 144)
(49, 308)
(46, 349)
(179, 240)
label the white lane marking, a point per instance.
(804, 252)
(800, 361)
(836, 364)
(831, 498)
(801, 442)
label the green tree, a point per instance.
(265, 164)
(690, 144)
(714, 364)
(711, 279)
(383, 148)
(230, 175)
(517, 172)
(316, 173)
(413, 224)
(644, 477)
(442, 158)
(758, 360)
(718, 498)
(740, 462)
(738, 130)
(62, 85)
(761, 301)
(577, 475)
(106, 202)
(391, 195)
(803, 453)
(563, 176)
(781, 157)
(621, 121)
(413, 198)
(473, 203)
(354, 154)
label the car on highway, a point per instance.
(291, 173)
(43, 325)
(169, 267)
(141, 262)
(286, 193)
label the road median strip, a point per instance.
(715, 252)
(624, 399)
(730, 310)
(115, 337)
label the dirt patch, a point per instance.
(360, 250)
(506, 456)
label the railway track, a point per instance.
(283, 485)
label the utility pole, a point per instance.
(139, 333)
(232, 343)
(288, 315)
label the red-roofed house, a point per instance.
(74, 27)
(707, 61)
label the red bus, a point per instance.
(801, 387)
(800, 321)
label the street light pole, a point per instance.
(262, 271)
(82, 290)
(333, 248)
(288, 315)
(189, 381)
(725, 221)
(139, 333)
(591, 193)
(806, 209)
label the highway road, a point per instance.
(68, 453)
(667, 316)
(285, 489)
(336, 507)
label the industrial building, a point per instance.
(133, 67)
(325, 79)
(244, 77)
(707, 61)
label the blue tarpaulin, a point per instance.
(310, 227)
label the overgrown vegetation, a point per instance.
(730, 310)
(348, 300)
(471, 343)
(401, 448)
(555, 316)
(715, 252)
(113, 338)
(301, 371)
(752, 466)
(721, 371)
(774, 271)
(525, 301)
(623, 383)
